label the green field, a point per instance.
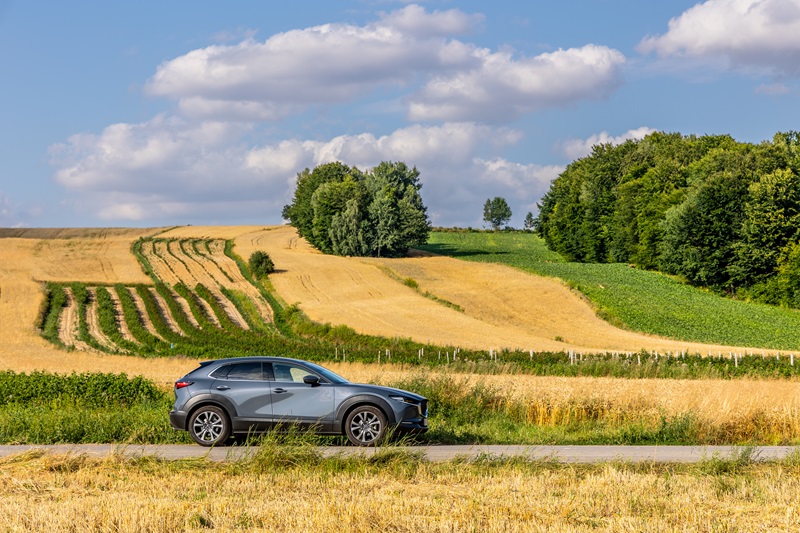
(639, 300)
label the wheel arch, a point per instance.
(203, 401)
(357, 401)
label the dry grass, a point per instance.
(72, 493)
(767, 410)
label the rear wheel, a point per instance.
(209, 426)
(365, 426)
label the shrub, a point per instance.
(261, 264)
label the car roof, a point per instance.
(262, 358)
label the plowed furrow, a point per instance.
(143, 315)
(122, 325)
(163, 310)
(159, 264)
(93, 322)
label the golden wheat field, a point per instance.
(503, 307)
(30, 257)
(74, 493)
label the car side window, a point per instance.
(289, 373)
(221, 372)
(247, 371)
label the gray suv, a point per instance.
(244, 395)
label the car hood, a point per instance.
(390, 391)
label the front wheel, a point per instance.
(365, 426)
(209, 426)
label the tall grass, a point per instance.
(42, 408)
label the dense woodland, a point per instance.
(345, 211)
(718, 213)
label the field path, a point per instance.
(503, 307)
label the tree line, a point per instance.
(342, 210)
(719, 213)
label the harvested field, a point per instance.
(68, 493)
(91, 256)
(190, 262)
(122, 325)
(503, 307)
(143, 316)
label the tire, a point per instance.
(365, 426)
(209, 426)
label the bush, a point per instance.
(261, 264)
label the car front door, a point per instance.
(297, 402)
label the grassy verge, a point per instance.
(642, 301)
(93, 408)
(392, 491)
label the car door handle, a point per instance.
(223, 387)
(279, 390)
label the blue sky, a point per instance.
(165, 113)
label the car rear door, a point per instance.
(246, 387)
(297, 402)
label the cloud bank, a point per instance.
(207, 160)
(759, 35)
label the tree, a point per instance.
(300, 213)
(344, 211)
(496, 212)
(530, 222)
(771, 221)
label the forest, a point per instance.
(712, 211)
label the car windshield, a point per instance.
(333, 377)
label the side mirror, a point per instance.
(311, 380)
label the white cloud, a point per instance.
(168, 169)
(336, 63)
(753, 34)
(502, 88)
(414, 20)
(773, 89)
(329, 63)
(577, 148)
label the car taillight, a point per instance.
(182, 384)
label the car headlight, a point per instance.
(403, 399)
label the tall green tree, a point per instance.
(300, 213)
(342, 210)
(530, 222)
(496, 212)
(771, 222)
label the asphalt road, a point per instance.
(565, 454)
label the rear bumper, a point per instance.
(177, 420)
